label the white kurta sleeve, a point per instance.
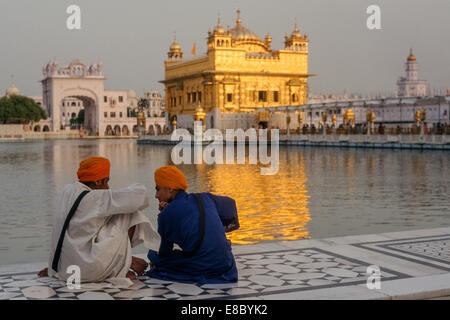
(122, 201)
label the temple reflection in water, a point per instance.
(269, 207)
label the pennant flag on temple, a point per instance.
(193, 49)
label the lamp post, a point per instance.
(288, 121)
(324, 120)
(420, 117)
(423, 116)
(300, 121)
(141, 121)
(370, 120)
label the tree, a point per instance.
(20, 109)
(76, 121)
(143, 103)
(80, 118)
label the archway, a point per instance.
(158, 129)
(263, 124)
(117, 130)
(135, 130)
(151, 130)
(90, 107)
(37, 128)
(125, 131)
(46, 129)
(86, 84)
(108, 131)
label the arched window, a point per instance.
(218, 43)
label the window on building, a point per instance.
(63, 114)
(105, 99)
(78, 104)
(120, 98)
(275, 96)
(120, 114)
(63, 103)
(262, 96)
(106, 114)
(199, 96)
(188, 98)
(112, 114)
(294, 97)
(194, 97)
(74, 104)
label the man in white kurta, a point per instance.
(104, 228)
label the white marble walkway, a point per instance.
(413, 265)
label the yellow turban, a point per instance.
(93, 169)
(170, 177)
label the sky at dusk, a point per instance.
(132, 39)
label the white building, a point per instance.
(70, 109)
(410, 85)
(106, 111)
(156, 103)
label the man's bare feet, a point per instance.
(138, 265)
(130, 275)
(43, 273)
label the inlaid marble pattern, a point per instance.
(432, 251)
(259, 274)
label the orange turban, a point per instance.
(93, 169)
(170, 177)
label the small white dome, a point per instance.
(12, 90)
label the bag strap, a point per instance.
(202, 227)
(64, 228)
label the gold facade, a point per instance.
(240, 73)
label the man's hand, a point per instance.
(162, 205)
(43, 273)
(138, 265)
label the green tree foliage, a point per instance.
(79, 119)
(20, 109)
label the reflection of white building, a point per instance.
(106, 111)
(410, 85)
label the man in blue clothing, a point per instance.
(205, 255)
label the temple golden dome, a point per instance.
(411, 56)
(240, 33)
(219, 29)
(175, 46)
(296, 33)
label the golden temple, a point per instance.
(239, 74)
